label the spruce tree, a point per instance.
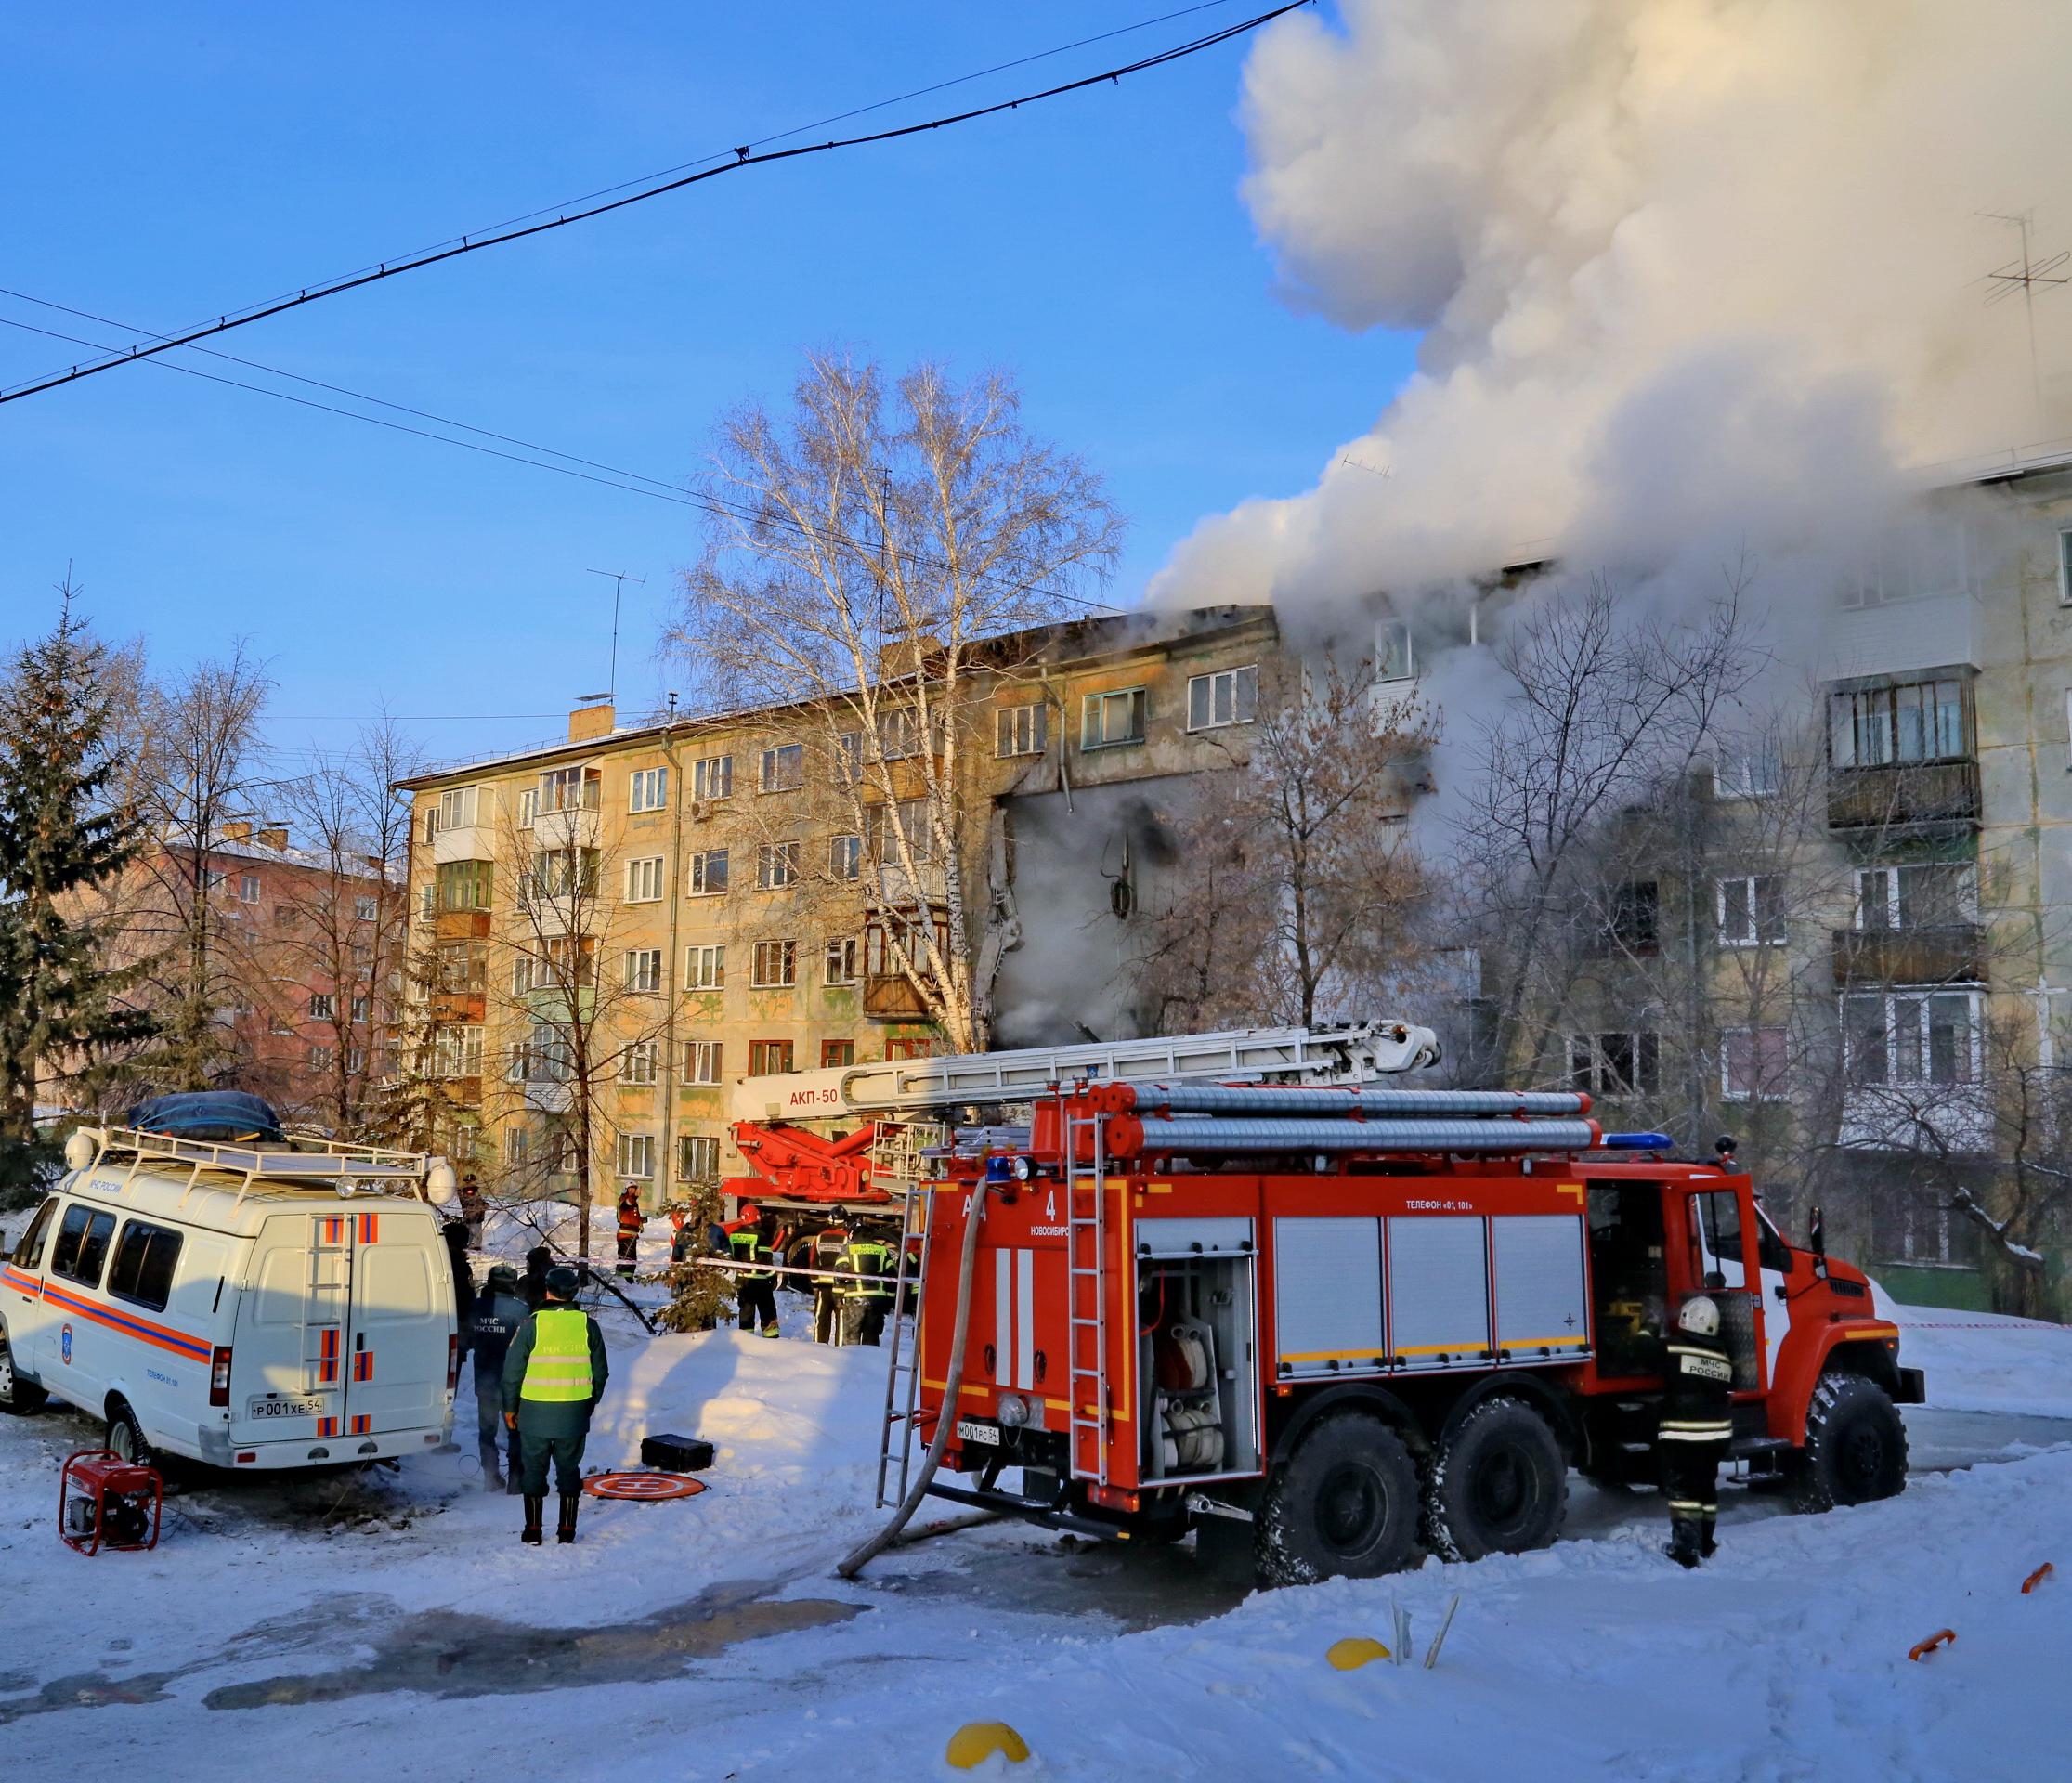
(64, 997)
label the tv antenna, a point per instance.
(2024, 275)
(1384, 471)
(619, 581)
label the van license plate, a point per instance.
(970, 1431)
(312, 1407)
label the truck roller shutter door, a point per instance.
(1438, 1290)
(1539, 1299)
(1327, 1296)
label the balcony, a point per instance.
(1918, 1117)
(891, 996)
(1909, 796)
(1953, 954)
(457, 1008)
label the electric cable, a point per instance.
(745, 155)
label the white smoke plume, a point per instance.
(1688, 272)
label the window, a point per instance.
(285, 916)
(837, 1054)
(1752, 772)
(698, 1157)
(640, 1064)
(1925, 895)
(1395, 651)
(701, 1061)
(541, 1057)
(570, 789)
(899, 735)
(570, 963)
(212, 880)
(848, 757)
(636, 1154)
(30, 1245)
(529, 974)
(1917, 560)
(564, 873)
(643, 879)
(712, 778)
(705, 968)
(363, 955)
(456, 809)
(1022, 730)
(776, 865)
(463, 885)
(784, 768)
(528, 807)
(280, 1024)
(366, 909)
(1918, 721)
(248, 888)
(355, 1060)
(924, 950)
(323, 1006)
(912, 1046)
(775, 964)
(1719, 1253)
(643, 969)
(1109, 718)
(1230, 697)
(1614, 1064)
(322, 1058)
(769, 1058)
(1900, 1037)
(1633, 924)
(82, 1245)
(649, 789)
(845, 857)
(708, 873)
(1751, 909)
(362, 1009)
(839, 967)
(1753, 1065)
(144, 1264)
(884, 841)
(518, 1145)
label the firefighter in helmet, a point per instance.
(553, 1375)
(630, 1221)
(1696, 1427)
(755, 1283)
(828, 1246)
(866, 1261)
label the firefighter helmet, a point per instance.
(1699, 1316)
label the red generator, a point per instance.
(1343, 1326)
(105, 1501)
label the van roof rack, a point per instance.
(303, 1163)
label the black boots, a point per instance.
(492, 1478)
(566, 1531)
(513, 1481)
(535, 1508)
(1684, 1546)
(1707, 1547)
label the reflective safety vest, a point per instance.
(867, 1256)
(558, 1368)
(631, 1221)
(828, 1251)
(747, 1247)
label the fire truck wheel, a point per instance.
(126, 1438)
(1498, 1484)
(16, 1394)
(1343, 1504)
(1855, 1446)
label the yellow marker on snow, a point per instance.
(976, 1741)
(1355, 1651)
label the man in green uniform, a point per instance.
(553, 1375)
(868, 1260)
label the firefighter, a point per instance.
(474, 1211)
(756, 1285)
(631, 1220)
(553, 1375)
(1696, 1427)
(828, 1244)
(499, 1312)
(864, 1320)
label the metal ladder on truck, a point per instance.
(1086, 1303)
(895, 1159)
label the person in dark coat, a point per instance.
(553, 1375)
(755, 1283)
(456, 1237)
(474, 1211)
(1696, 1429)
(537, 1261)
(499, 1312)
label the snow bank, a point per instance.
(1984, 1361)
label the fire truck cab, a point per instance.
(1365, 1333)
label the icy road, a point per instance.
(392, 1624)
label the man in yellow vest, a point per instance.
(553, 1375)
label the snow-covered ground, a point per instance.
(357, 1625)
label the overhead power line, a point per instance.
(746, 155)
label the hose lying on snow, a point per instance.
(953, 1383)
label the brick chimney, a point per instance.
(237, 832)
(275, 836)
(588, 722)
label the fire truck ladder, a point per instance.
(1085, 1305)
(895, 1164)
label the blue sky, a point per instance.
(160, 164)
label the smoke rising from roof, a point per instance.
(1691, 274)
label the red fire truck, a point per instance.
(1351, 1323)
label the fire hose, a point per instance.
(945, 1419)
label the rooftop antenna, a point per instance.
(2024, 275)
(619, 581)
(1384, 472)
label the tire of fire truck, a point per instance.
(1855, 1446)
(1343, 1504)
(1498, 1483)
(17, 1395)
(126, 1435)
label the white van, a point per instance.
(251, 1307)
